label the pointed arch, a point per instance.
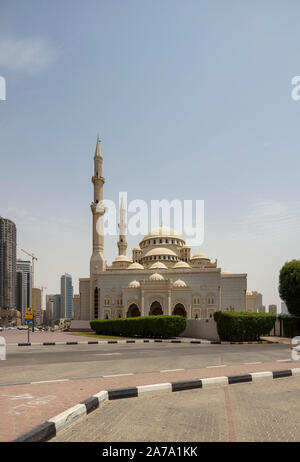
(133, 311)
(156, 309)
(179, 310)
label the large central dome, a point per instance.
(162, 244)
(162, 231)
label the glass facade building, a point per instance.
(66, 296)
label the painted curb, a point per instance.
(49, 429)
(107, 342)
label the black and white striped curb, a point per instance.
(49, 429)
(106, 342)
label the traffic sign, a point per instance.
(28, 314)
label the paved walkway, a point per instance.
(21, 336)
(22, 407)
(285, 340)
(253, 412)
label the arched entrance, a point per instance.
(179, 310)
(155, 309)
(133, 311)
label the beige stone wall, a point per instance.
(233, 292)
(76, 306)
(84, 303)
(202, 329)
(252, 301)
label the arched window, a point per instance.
(211, 300)
(106, 300)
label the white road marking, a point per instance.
(284, 360)
(221, 365)
(14, 397)
(107, 354)
(258, 362)
(117, 375)
(48, 381)
(171, 370)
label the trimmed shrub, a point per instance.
(289, 286)
(142, 326)
(290, 325)
(243, 326)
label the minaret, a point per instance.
(122, 244)
(97, 262)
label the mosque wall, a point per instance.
(233, 292)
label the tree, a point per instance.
(289, 286)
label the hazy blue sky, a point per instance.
(192, 100)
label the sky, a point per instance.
(191, 99)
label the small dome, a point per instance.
(181, 264)
(160, 251)
(134, 284)
(226, 272)
(122, 258)
(156, 277)
(136, 248)
(158, 264)
(135, 265)
(199, 256)
(179, 283)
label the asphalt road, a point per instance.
(257, 412)
(42, 363)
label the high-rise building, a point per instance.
(8, 239)
(273, 309)
(260, 303)
(53, 307)
(19, 291)
(66, 294)
(25, 267)
(252, 301)
(37, 305)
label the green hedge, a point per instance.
(243, 326)
(290, 325)
(143, 326)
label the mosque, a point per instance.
(160, 277)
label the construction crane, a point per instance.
(32, 260)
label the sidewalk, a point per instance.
(285, 340)
(21, 336)
(23, 407)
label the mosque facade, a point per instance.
(161, 276)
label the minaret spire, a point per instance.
(97, 262)
(98, 152)
(122, 244)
